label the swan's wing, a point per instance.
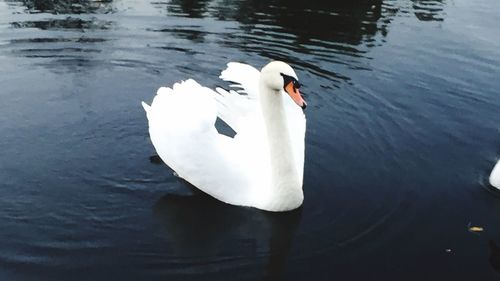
(181, 126)
(238, 107)
(184, 108)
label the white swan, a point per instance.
(495, 176)
(262, 166)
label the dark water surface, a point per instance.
(403, 129)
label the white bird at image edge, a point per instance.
(262, 165)
(495, 176)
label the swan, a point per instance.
(262, 165)
(495, 176)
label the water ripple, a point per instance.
(403, 102)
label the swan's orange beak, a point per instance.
(294, 93)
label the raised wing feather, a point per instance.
(236, 107)
(245, 76)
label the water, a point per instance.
(403, 129)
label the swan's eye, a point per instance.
(289, 79)
(291, 87)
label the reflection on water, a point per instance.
(403, 112)
(329, 36)
(68, 6)
(207, 231)
(67, 23)
(428, 10)
(494, 256)
(324, 33)
(188, 8)
(341, 21)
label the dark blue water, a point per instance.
(403, 129)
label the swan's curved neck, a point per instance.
(285, 176)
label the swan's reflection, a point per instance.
(494, 256)
(203, 228)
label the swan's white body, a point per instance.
(262, 166)
(495, 176)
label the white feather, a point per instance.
(495, 176)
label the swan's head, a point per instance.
(278, 76)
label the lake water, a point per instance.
(403, 130)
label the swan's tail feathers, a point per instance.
(147, 108)
(244, 76)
